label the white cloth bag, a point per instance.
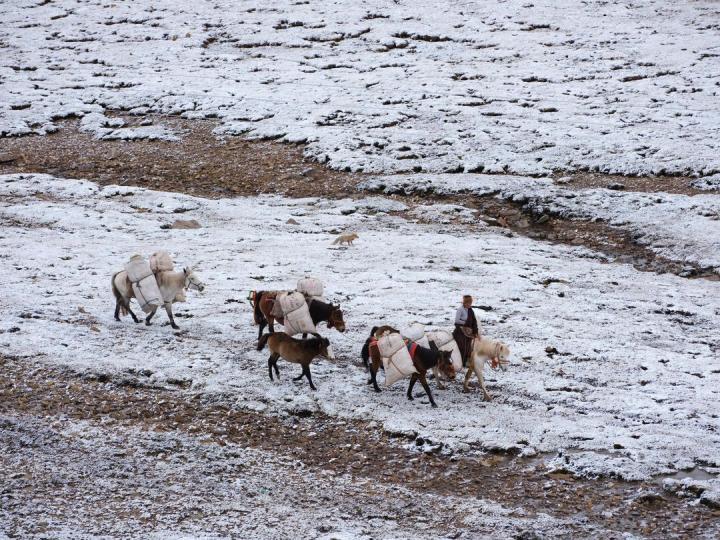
(160, 261)
(296, 314)
(445, 341)
(396, 358)
(416, 332)
(143, 283)
(310, 286)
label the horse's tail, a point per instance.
(263, 341)
(337, 240)
(118, 295)
(257, 312)
(365, 351)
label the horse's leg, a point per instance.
(468, 376)
(261, 327)
(306, 370)
(413, 380)
(426, 386)
(150, 316)
(130, 311)
(272, 362)
(302, 374)
(168, 310)
(438, 378)
(478, 366)
(373, 375)
(117, 309)
(272, 327)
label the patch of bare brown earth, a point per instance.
(359, 450)
(201, 164)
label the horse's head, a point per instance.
(335, 320)
(325, 349)
(445, 364)
(192, 281)
(502, 355)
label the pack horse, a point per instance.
(299, 311)
(153, 284)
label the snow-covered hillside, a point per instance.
(379, 86)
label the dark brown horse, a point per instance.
(423, 359)
(263, 302)
(298, 351)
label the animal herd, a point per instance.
(303, 351)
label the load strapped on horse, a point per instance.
(292, 309)
(144, 284)
(445, 341)
(396, 358)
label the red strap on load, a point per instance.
(412, 347)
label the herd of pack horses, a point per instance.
(312, 345)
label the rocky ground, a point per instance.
(149, 460)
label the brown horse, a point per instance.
(298, 351)
(263, 302)
(423, 359)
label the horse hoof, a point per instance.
(433, 405)
(377, 390)
(175, 327)
(147, 323)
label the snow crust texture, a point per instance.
(615, 371)
(528, 88)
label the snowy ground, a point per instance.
(515, 86)
(632, 390)
(677, 227)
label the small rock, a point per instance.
(617, 186)
(542, 219)
(291, 221)
(183, 224)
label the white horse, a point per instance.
(172, 288)
(485, 350)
